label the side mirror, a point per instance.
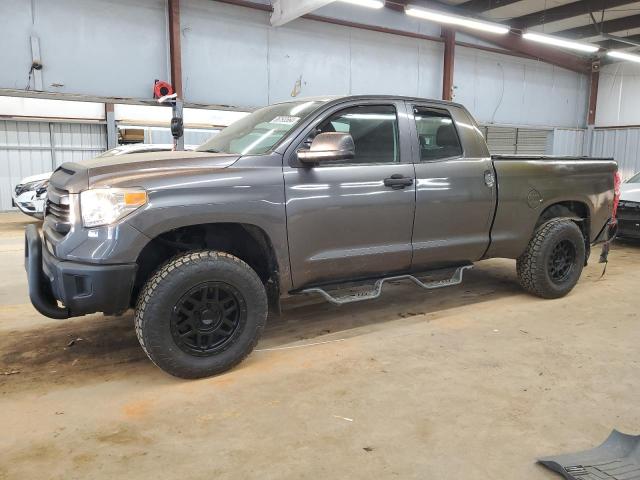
(327, 147)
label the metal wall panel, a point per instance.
(30, 148)
(569, 141)
(623, 144)
(24, 151)
(74, 142)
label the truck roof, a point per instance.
(335, 98)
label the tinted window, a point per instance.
(374, 130)
(437, 134)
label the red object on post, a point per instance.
(161, 88)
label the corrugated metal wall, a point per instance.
(623, 144)
(29, 148)
(569, 141)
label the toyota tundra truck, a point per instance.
(322, 196)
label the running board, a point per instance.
(376, 289)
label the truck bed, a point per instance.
(529, 184)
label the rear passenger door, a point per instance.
(344, 221)
(455, 187)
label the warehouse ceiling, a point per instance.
(594, 21)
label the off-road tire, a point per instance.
(534, 265)
(165, 289)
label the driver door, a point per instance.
(343, 222)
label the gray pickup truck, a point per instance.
(328, 196)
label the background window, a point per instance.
(374, 130)
(437, 134)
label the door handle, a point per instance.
(398, 181)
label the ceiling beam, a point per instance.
(610, 44)
(609, 26)
(563, 12)
(478, 6)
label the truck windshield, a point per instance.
(258, 132)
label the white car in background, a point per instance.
(30, 194)
(629, 208)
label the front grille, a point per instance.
(58, 209)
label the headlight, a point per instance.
(28, 187)
(103, 206)
(42, 188)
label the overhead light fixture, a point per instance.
(365, 3)
(441, 17)
(624, 55)
(560, 42)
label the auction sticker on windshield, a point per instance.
(285, 119)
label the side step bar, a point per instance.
(376, 289)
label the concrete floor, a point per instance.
(474, 381)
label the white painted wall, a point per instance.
(504, 89)
(619, 95)
(232, 56)
(97, 47)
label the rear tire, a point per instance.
(552, 263)
(201, 314)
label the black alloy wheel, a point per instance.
(561, 261)
(206, 318)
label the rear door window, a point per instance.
(437, 134)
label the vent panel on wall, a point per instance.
(501, 140)
(512, 140)
(531, 141)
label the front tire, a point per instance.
(201, 314)
(552, 263)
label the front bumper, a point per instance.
(81, 288)
(29, 203)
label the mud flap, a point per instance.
(618, 458)
(604, 254)
(611, 230)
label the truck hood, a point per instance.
(35, 178)
(136, 169)
(630, 192)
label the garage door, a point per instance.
(29, 148)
